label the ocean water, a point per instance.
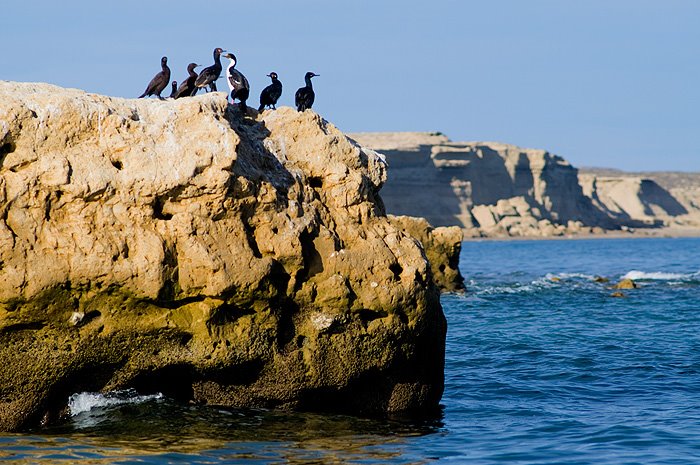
(543, 366)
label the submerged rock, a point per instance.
(218, 260)
(626, 284)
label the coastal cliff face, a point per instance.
(646, 200)
(175, 246)
(494, 189)
(486, 188)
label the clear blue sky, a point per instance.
(612, 83)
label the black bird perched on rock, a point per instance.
(160, 81)
(240, 89)
(187, 87)
(173, 90)
(210, 74)
(305, 96)
(271, 93)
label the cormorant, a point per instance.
(159, 81)
(173, 90)
(304, 97)
(210, 74)
(187, 87)
(237, 83)
(271, 93)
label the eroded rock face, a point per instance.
(442, 246)
(493, 189)
(636, 201)
(487, 188)
(174, 246)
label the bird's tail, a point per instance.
(261, 108)
(142, 95)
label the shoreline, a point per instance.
(661, 233)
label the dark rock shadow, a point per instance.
(6, 148)
(652, 194)
(254, 161)
(523, 181)
(410, 173)
(488, 175)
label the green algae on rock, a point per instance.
(173, 246)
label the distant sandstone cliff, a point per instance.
(494, 189)
(664, 199)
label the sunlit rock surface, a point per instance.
(177, 247)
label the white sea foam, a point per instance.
(548, 281)
(515, 289)
(588, 277)
(518, 288)
(636, 275)
(86, 401)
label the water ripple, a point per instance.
(543, 366)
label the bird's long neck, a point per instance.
(217, 58)
(232, 64)
(192, 72)
(308, 82)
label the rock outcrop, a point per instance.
(176, 246)
(442, 246)
(625, 284)
(493, 189)
(486, 188)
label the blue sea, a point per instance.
(543, 366)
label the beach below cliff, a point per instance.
(670, 232)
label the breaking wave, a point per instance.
(85, 401)
(637, 275)
(545, 282)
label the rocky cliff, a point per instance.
(666, 200)
(176, 246)
(442, 248)
(494, 189)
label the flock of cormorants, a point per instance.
(237, 83)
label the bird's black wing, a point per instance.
(185, 88)
(275, 91)
(151, 87)
(238, 80)
(266, 96)
(190, 87)
(299, 96)
(158, 83)
(205, 77)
